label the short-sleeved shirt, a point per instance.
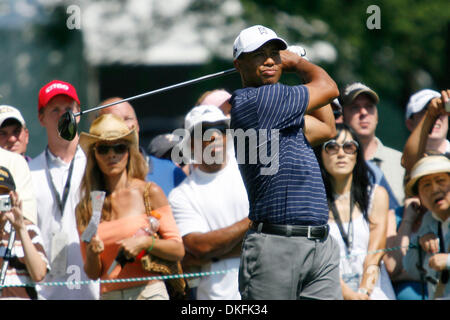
(294, 193)
(205, 202)
(17, 272)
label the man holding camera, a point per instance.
(24, 259)
(427, 118)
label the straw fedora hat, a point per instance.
(424, 167)
(108, 127)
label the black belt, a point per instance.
(311, 232)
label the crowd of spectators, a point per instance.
(214, 214)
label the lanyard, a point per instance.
(347, 237)
(444, 273)
(60, 201)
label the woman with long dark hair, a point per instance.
(115, 166)
(357, 218)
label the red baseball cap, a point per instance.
(54, 88)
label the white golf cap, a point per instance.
(204, 114)
(254, 37)
(9, 112)
(419, 100)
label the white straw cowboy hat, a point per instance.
(424, 167)
(108, 127)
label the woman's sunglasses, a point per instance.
(117, 148)
(332, 147)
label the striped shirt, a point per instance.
(295, 193)
(17, 273)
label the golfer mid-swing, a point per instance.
(287, 253)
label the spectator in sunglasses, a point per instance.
(115, 165)
(211, 206)
(357, 217)
(161, 171)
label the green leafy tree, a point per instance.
(410, 50)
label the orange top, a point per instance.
(110, 232)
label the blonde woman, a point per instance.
(114, 165)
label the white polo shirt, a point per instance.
(51, 223)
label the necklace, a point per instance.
(344, 196)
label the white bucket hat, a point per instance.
(424, 167)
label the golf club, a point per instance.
(67, 125)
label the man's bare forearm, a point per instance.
(216, 243)
(320, 125)
(322, 88)
(416, 144)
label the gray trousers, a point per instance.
(277, 267)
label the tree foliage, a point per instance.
(410, 50)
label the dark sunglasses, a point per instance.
(222, 128)
(332, 147)
(117, 148)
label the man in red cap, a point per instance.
(55, 98)
(57, 174)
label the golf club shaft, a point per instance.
(174, 86)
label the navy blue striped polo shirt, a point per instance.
(295, 194)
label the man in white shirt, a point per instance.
(211, 206)
(57, 174)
